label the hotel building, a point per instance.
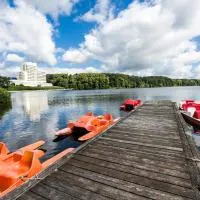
(30, 76)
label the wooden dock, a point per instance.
(149, 154)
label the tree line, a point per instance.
(84, 81)
(5, 98)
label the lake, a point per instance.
(37, 115)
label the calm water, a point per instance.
(37, 115)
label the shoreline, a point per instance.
(99, 89)
(38, 90)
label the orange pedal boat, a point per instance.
(15, 169)
(89, 124)
(4, 151)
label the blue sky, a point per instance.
(146, 37)
(75, 30)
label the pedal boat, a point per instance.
(89, 125)
(183, 105)
(130, 104)
(4, 151)
(14, 172)
(190, 110)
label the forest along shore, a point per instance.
(85, 81)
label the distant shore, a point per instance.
(70, 89)
(28, 88)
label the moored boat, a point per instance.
(16, 170)
(191, 112)
(184, 105)
(88, 126)
(4, 151)
(130, 104)
(191, 120)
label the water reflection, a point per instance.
(35, 105)
(4, 109)
(38, 115)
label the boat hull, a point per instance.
(191, 120)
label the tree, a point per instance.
(4, 82)
(112, 80)
(5, 98)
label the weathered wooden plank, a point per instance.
(136, 157)
(145, 134)
(141, 154)
(141, 148)
(100, 187)
(60, 183)
(126, 181)
(51, 193)
(147, 130)
(134, 164)
(31, 196)
(145, 173)
(143, 144)
(144, 140)
(151, 127)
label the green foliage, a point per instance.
(5, 98)
(4, 82)
(87, 81)
(83, 81)
(4, 109)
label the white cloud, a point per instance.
(25, 30)
(71, 70)
(103, 10)
(150, 38)
(14, 58)
(59, 50)
(76, 56)
(10, 71)
(53, 7)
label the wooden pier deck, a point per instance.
(148, 155)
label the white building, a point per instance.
(30, 76)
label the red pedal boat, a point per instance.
(130, 104)
(89, 125)
(17, 168)
(191, 112)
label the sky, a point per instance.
(136, 37)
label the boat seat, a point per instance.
(103, 122)
(95, 122)
(10, 172)
(191, 111)
(14, 157)
(108, 117)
